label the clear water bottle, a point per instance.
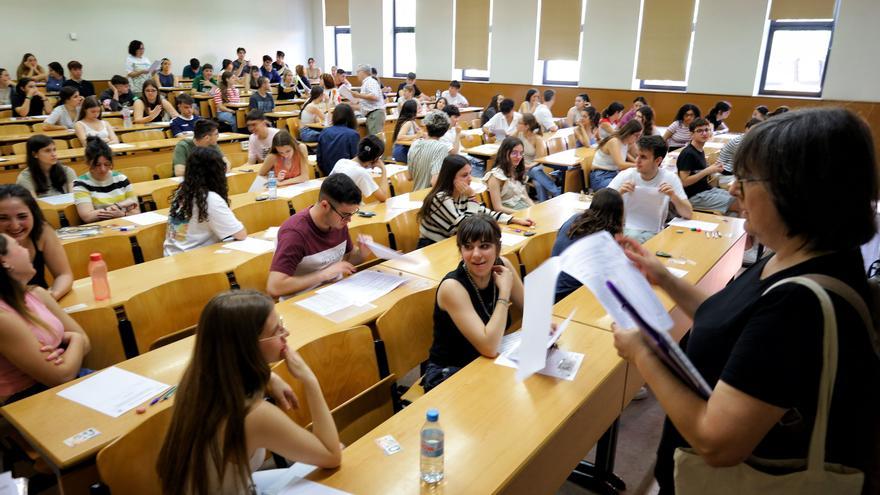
(432, 449)
(126, 117)
(98, 274)
(437, 94)
(272, 184)
(328, 120)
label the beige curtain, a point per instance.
(802, 9)
(336, 13)
(665, 39)
(560, 30)
(472, 34)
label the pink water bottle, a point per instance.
(98, 274)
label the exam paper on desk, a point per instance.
(148, 218)
(113, 391)
(58, 199)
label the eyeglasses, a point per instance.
(703, 130)
(344, 216)
(516, 153)
(740, 181)
(280, 331)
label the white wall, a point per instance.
(727, 46)
(609, 45)
(179, 30)
(852, 69)
(513, 49)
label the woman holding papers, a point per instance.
(612, 155)
(40, 345)
(472, 309)
(761, 346)
(200, 213)
(222, 426)
(21, 219)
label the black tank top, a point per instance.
(451, 347)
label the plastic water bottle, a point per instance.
(437, 94)
(272, 183)
(424, 108)
(328, 120)
(126, 117)
(98, 274)
(432, 449)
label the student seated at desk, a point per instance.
(76, 81)
(530, 102)
(302, 82)
(506, 181)
(647, 173)
(152, 106)
(728, 153)
(450, 201)
(612, 154)
(205, 81)
(240, 66)
(7, 89)
(504, 122)
(287, 90)
(27, 101)
(645, 116)
(288, 158)
(405, 130)
(193, 69)
(102, 193)
(587, 131)
(411, 81)
(543, 114)
(452, 139)
(268, 71)
(30, 69)
(21, 218)
(199, 214)
(695, 173)
(528, 130)
(225, 93)
(338, 141)
(638, 102)
(64, 116)
(165, 77)
(313, 245)
(408, 93)
(279, 64)
(453, 95)
(314, 72)
(251, 80)
(184, 123)
(241, 332)
(678, 134)
(359, 169)
(262, 98)
(41, 346)
(472, 308)
(491, 109)
(205, 134)
(426, 155)
(329, 85)
(761, 112)
(581, 103)
(440, 104)
(311, 113)
(605, 213)
(717, 115)
(260, 140)
(610, 119)
(118, 95)
(45, 175)
(56, 77)
(91, 124)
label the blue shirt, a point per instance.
(565, 284)
(271, 74)
(265, 104)
(180, 124)
(54, 84)
(335, 143)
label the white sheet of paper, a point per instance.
(554, 364)
(363, 287)
(509, 342)
(288, 192)
(300, 486)
(392, 169)
(560, 328)
(677, 271)
(251, 245)
(693, 224)
(179, 180)
(384, 252)
(148, 218)
(537, 316)
(121, 146)
(582, 205)
(597, 258)
(478, 187)
(645, 209)
(113, 391)
(59, 199)
(259, 184)
(271, 233)
(508, 239)
(7, 484)
(399, 204)
(324, 303)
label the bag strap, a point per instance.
(854, 299)
(816, 453)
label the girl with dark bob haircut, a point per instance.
(807, 185)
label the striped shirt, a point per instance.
(424, 160)
(104, 193)
(231, 95)
(681, 135)
(446, 213)
(728, 152)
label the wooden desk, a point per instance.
(576, 164)
(69, 133)
(502, 436)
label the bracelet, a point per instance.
(505, 301)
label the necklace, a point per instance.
(479, 297)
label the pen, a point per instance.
(164, 395)
(169, 393)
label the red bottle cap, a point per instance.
(95, 257)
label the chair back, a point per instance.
(536, 250)
(261, 215)
(151, 239)
(379, 232)
(60, 144)
(471, 140)
(164, 170)
(115, 250)
(13, 129)
(405, 228)
(172, 306)
(305, 199)
(407, 330)
(138, 174)
(139, 136)
(102, 327)
(128, 464)
(555, 145)
(476, 123)
(162, 196)
(254, 273)
(239, 183)
(400, 184)
(18, 148)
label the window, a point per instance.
(795, 58)
(474, 75)
(666, 85)
(342, 47)
(561, 72)
(404, 37)
(477, 74)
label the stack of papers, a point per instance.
(113, 391)
(251, 245)
(296, 189)
(645, 209)
(358, 290)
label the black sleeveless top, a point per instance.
(451, 347)
(40, 266)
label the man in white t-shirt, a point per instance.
(543, 114)
(371, 101)
(260, 140)
(504, 122)
(647, 173)
(453, 95)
